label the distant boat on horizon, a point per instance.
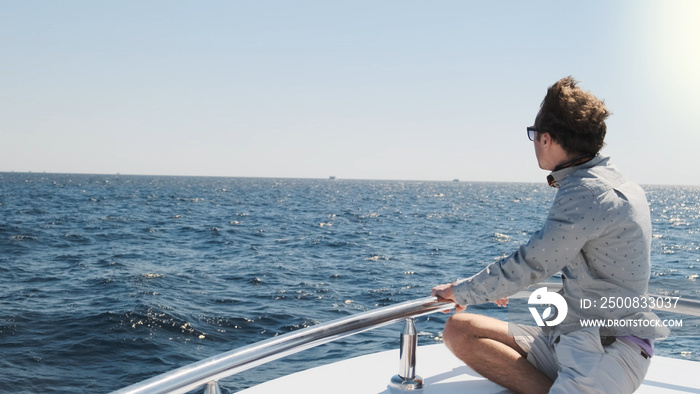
(332, 177)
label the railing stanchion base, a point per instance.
(400, 384)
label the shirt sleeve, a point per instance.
(573, 219)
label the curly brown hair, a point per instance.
(573, 117)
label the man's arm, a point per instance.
(445, 293)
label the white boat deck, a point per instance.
(444, 374)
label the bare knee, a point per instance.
(460, 329)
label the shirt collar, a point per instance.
(562, 171)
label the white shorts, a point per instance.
(578, 363)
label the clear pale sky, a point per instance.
(410, 90)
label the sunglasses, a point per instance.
(531, 133)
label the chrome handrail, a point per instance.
(198, 374)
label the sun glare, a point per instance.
(675, 38)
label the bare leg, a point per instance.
(483, 343)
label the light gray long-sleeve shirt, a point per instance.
(598, 235)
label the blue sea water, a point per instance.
(106, 280)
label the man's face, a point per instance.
(539, 151)
(542, 142)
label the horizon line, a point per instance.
(329, 178)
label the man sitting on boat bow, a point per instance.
(598, 235)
